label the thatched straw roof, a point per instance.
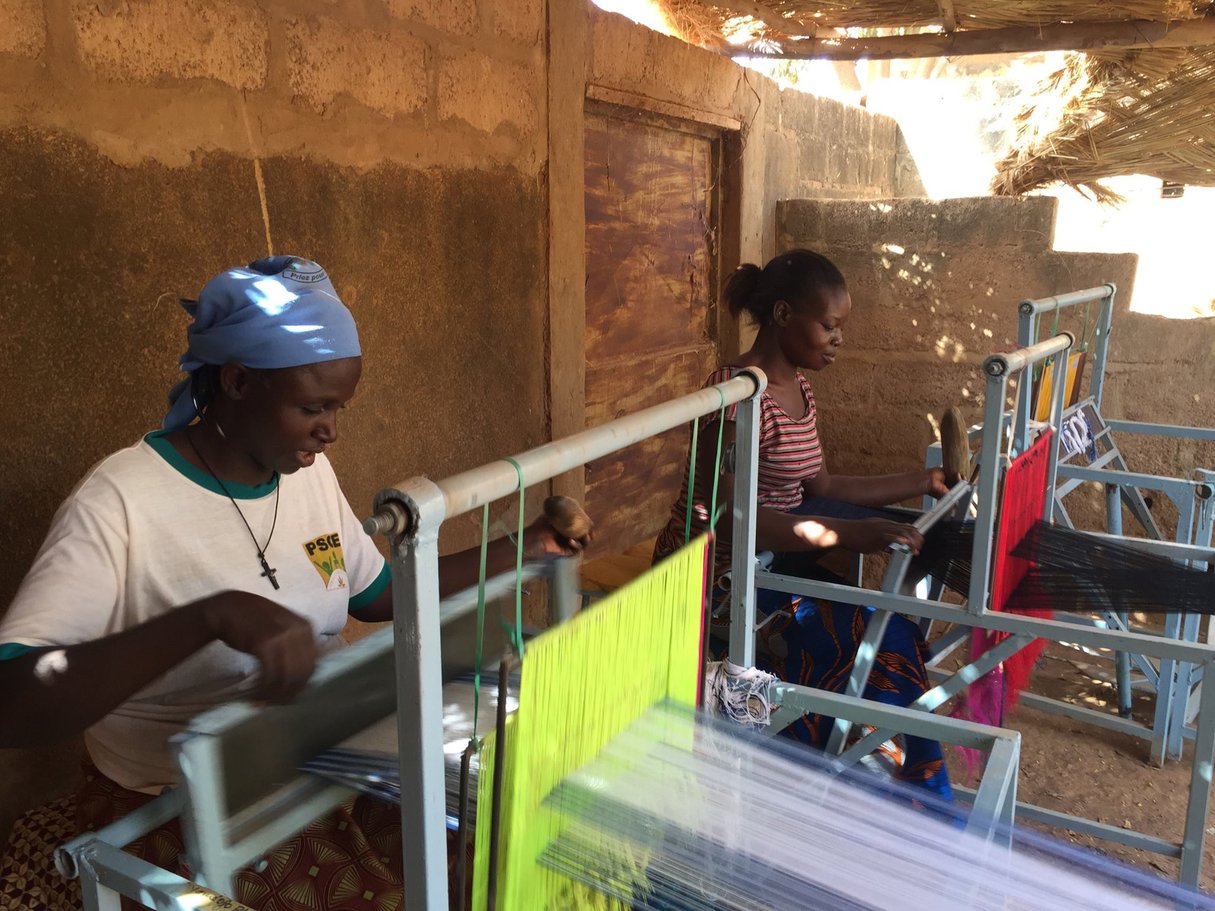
(1143, 112)
(781, 23)
(1138, 100)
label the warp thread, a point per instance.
(581, 684)
(727, 820)
(989, 698)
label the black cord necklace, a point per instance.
(267, 570)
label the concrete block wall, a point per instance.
(836, 151)
(794, 145)
(1162, 371)
(935, 288)
(118, 72)
(146, 145)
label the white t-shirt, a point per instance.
(146, 532)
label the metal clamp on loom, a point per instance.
(763, 561)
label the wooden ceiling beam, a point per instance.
(1072, 36)
(949, 17)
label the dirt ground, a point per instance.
(1107, 776)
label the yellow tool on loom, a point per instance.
(582, 684)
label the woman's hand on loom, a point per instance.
(542, 539)
(867, 536)
(564, 530)
(282, 641)
(937, 483)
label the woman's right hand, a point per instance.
(867, 536)
(282, 641)
(56, 691)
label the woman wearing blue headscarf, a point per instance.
(214, 559)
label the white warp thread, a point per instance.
(722, 818)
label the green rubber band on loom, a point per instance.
(715, 512)
(687, 522)
(517, 632)
(480, 619)
(1084, 332)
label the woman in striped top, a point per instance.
(799, 302)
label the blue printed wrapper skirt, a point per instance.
(813, 642)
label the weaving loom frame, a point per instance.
(1190, 848)
(342, 697)
(221, 839)
(998, 370)
(410, 515)
(1175, 684)
(108, 874)
(994, 803)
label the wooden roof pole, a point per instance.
(1077, 36)
(949, 17)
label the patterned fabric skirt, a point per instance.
(814, 643)
(350, 860)
(28, 878)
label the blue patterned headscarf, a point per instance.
(276, 312)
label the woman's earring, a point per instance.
(202, 416)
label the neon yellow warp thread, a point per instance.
(582, 684)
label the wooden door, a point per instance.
(650, 318)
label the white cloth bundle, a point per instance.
(738, 694)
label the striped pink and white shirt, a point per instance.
(790, 454)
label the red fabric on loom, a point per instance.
(706, 611)
(990, 697)
(1021, 509)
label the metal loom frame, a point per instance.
(233, 813)
(1176, 683)
(998, 370)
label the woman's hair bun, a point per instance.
(796, 276)
(740, 291)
